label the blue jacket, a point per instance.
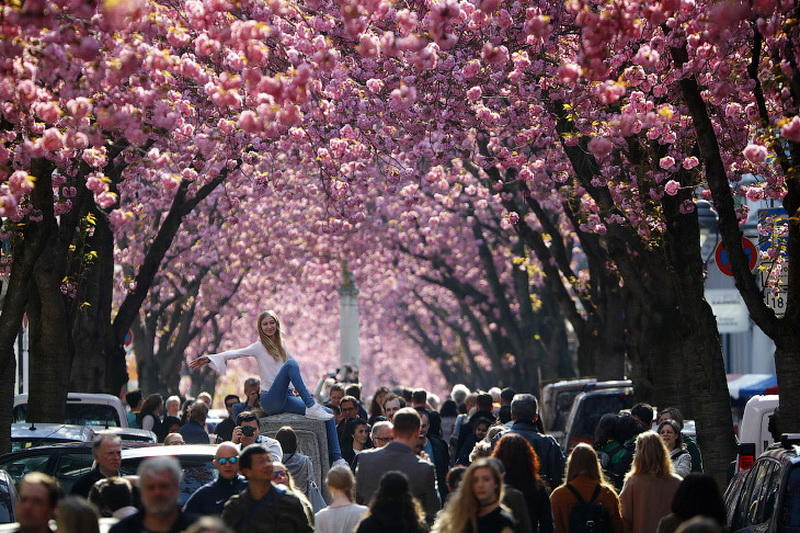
(551, 458)
(211, 497)
(194, 433)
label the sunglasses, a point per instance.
(226, 460)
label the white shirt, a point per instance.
(339, 519)
(267, 366)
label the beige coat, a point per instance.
(645, 499)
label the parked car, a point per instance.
(556, 403)
(130, 434)
(68, 462)
(766, 497)
(83, 409)
(25, 436)
(8, 497)
(589, 407)
(754, 433)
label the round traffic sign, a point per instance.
(724, 262)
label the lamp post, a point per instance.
(708, 220)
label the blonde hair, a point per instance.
(651, 456)
(583, 461)
(341, 478)
(462, 509)
(274, 344)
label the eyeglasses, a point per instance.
(226, 460)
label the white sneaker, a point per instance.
(317, 412)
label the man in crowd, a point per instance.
(643, 413)
(211, 497)
(419, 398)
(159, 485)
(354, 390)
(435, 448)
(252, 397)
(485, 405)
(246, 433)
(400, 455)
(107, 452)
(524, 414)
(36, 502)
(134, 400)
(381, 434)
(113, 496)
(206, 398)
(349, 408)
(335, 394)
(194, 430)
(224, 429)
(263, 507)
(504, 413)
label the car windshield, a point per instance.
(80, 414)
(592, 408)
(197, 471)
(24, 444)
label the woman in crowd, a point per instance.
(522, 473)
(448, 413)
(697, 495)
(393, 509)
(187, 404)
(480, 429)
(281, 476)
(172, 407)
(584, 479)
(376, 406)
(278, 371)
(76, 515)
(649, 486)
(475, 506)
(342, 515)
(670, 432)
(149, 416)
(299, 465)
(355, 439)
(169, 425)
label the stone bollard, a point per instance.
(312, 440)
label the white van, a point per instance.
(83, 409)
(754, 434)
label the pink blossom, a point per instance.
(52, 140)
(404, 96)
(375, 85)
(672, 187)
(494, 55)
(474, 93)
(600, 147)
(95, 183)
(755, 153)
(105, 199)
(48, 112)
(119, 219)
(248, 121)
(667, 163)
(21, 182)
(471, 69)
(609, 91)
(646, 57)
(690, 162)
(755, 194)
(170, 182)
(568, 72)
(791, 130)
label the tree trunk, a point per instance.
(787, 366)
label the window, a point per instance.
(71, 466)
(80, 414)
(20, 465)
(197, 471)
(592, 408)
(564, 402)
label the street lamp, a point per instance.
(708, 220)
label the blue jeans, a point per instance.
(278, 399)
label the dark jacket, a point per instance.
(468, 428)
(135, 523)
(376, 523)
(441, 462)
(211, 497)
(278, 511)
(194, 433)
(551, 458)
(84, 484)
(224, 430)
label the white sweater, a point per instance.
(267, 366)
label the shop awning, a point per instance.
(742, 387)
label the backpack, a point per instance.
(615, 461)
(588, 517)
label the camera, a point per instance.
(248, 431)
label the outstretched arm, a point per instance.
(218, 362)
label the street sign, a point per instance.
(729, 309)
(773, 235)
(724, 262)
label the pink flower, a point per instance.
(95, 183)
(690, 162)
(755, 194)
(791, 130)
(404, 96)
(119, 219)
(474, 93)
(79, 107)
(248, 121)
(672, 187)
(170, 182)
(609, 91)
(471, 69)
(105, 199)
(48, 112)
(667, 163)
(646, 57)
(374, 85)
(52, 140)
(21, 182)
(755, 153)
(600, 147)
(568, 72)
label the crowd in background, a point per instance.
(476, 461)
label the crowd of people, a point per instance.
(404, 462)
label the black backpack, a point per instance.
(588, 517)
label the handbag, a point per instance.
(315, 496)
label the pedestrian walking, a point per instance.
(355, 438)
(113, 497)
(211, 497)
(343, 514)
(615, 458)
(649, 487)
(194, 430)
(278, 372)
(149, 416)
(697, 495)
(107, 453)
(282, 477)
(670, 432)
(524, 416)
(76, 515)
(475, 507)
(673, 413)
(37, 498)
(585, 495)
(522, 472)
(393, 509)
(298, 465)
